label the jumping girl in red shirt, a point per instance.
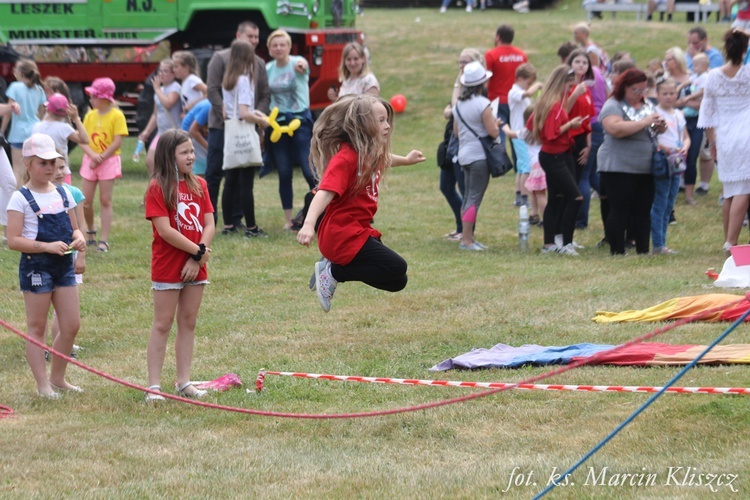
(351, 151)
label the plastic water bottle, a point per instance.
(523, 228)
(138, 150)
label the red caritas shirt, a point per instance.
(583, 107)
(346, 224)
(166, 260)
(554, 142)
(503, 61)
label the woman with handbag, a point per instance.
(473, 120)
(451, 176)
(624, 160)
(239, 102)
(288, 78)
(550, 127)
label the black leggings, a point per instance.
(375, 265)
(239, 181)
(630, 198)
(563, 197)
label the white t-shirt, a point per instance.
(167, 119)
(49, 203)
(359, 85)
(517, 104)
(245, 95)
(469, 147)
(672, 138)
(188, 92)
(59, 131)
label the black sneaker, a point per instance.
(229, 230)
(672, 220)
(701, 191)
(255, 232)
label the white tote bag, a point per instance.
(241, 143)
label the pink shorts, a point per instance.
(108, 170)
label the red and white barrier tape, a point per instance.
(502, 385)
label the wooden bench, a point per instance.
(641, 9)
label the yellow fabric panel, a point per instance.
(681, 307)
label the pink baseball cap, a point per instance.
(57, 104)
(40, 145)
(102, 88)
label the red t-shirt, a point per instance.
(584, 107)
(553, 142)
(166, 260)
(503, 61)
(346, 224)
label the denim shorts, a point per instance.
(160, 286)
(44, 273)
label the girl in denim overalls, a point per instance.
(40, 226)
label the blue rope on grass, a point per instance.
(645, 405)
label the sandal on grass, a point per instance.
(154, 397)
(91, 241)
(102, 246)
(185, 391)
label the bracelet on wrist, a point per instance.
(199, 254)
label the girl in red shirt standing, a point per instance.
(351, 151)
(180, 210)
(550, 127)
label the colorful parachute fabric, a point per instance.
(681, 307)
(644, 354)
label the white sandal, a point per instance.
(198, 394)
(154, 397)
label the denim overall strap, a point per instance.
(51, 227)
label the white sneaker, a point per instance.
(325, 284)
(443, 9)
(468, 8)
(568, 250)
(558, 241)
(521, 7)
(552, 249)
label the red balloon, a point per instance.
(398, 102)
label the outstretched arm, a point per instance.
(412, 158)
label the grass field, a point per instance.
(257, 312)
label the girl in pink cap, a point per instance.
(42, 228)
(101, 165)
(63, 124)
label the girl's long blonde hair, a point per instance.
(241, 62)
(351, 120)
(552, 93)
(165, 167)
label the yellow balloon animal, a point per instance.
(281, 129)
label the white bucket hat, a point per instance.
(474, 74)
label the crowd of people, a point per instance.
(634, 138)
(349, 146)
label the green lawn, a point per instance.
(257, 313)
